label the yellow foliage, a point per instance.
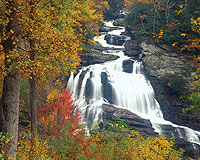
(183, 34)
(53, 95)
(37, 150)
(134, 146)
(56, 29)
(174, 44)
(181, 6)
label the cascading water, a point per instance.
(131, 91)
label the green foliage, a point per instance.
(114, 7)
(194, 108)
(176, 83)
(173, 17)
(4, 139)
(68, 145)
(100, 146)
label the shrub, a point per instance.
(4, 139)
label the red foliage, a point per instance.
(63, 113)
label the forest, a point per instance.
(41, 41)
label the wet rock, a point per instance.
(95, 55)
(96, 58)
(97, 47)
(115, 39)
(191, 150)
(128, 66)
(89, 90)
(107, 88)
(107, 29)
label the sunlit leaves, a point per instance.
(57, 28)
(132, 146)
(55, 117)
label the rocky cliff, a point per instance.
(171, 75)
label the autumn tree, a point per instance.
(42, 39)
(10, 42)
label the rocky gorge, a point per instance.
(169, 73)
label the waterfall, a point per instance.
(70, 84)
(137, 67)
(131, 91)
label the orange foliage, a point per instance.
(57, 30)
(61, 121)
(55, 117)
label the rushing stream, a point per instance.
(131, 91)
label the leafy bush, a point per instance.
(4, 139)
(37, 150)
(194, 108)
(133, 146)
(61, 137)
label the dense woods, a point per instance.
(42, 40)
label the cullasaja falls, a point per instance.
(128, 90)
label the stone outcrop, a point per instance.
(134, 121)
(118, 22)
(132, 48)
(163, 61)
(95, 58)
(95, 55)
(171, 77)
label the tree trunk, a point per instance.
(11, 85)
(32, 82)
(10, 102)
(33, 106)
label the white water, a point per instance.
(132, 91)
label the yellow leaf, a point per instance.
(11, 31)
(183, 34)
(181, 6)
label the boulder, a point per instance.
(132, 48)
(128, 66)
(134, 121)
(104, 28)
(118, 22)
(115, 39)
(96, 58)
(107, 88)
